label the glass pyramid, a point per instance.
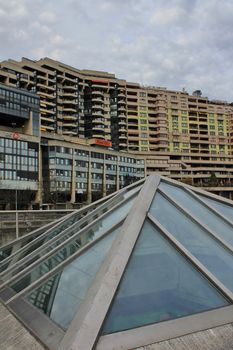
(158, 284)
(154, 256)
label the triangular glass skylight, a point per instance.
(211, 253)
(162, 254)
(221, 207)
(60, 250)
(70, 225)
(158, 284)
(198, 210)
(61, 295)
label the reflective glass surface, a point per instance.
(61, 295)
(134, 190)
(79, 241)
(224, 209)
(37, 242)
(4, 253)
(202, 245)
(199, 211)
(63, 236)
(158, 284)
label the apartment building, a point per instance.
(77, 173)
(53, 168)
(187, 137)
(19, 146)
(73, 102)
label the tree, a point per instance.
(213, 181)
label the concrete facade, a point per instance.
(186, 137)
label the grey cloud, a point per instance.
(173, 43)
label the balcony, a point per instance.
(70, 87)
(122, 122)
(69, 117)
(69, 109)
(70, 125)
(98, 121)
(98, 114)
(47, 119)
(121, 102)
(97, 92)
(98, 106)
(97, 99)
(121, 109)
(69, 132)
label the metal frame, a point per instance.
(61, 266)
(195, 262)
(102, 291)
(76, 212)
(166, 330)
(145, 335)
(84, 330)
(24, 237)
(37, 323)
(41, 325)
(198, 190)
(27, 236)
(193, 193)
(209, 206)
(29, 244)
(192, 217)
(88, 207)
(17, 277)
(56, 238)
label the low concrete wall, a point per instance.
(28, 221)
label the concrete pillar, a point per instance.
(27, 128)
(73, 185)
(89, 181)
(117, 175)
(38, 199)
(104, 178)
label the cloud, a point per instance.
(48, 17)
(173, 43)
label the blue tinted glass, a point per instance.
(159, 284)
(224, 209)
(206, 249)
(79, 241)
(199, 211)
(61, 295)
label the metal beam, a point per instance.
(83, 331)
(219, 285)
(192, 217)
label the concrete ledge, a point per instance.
(13, 335)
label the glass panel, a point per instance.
(224, 209)
(158, 284)
(71, 247)
(4, 253)
(37, 242)
(61, 295)
(15, 246)
(205, 215)
(202, 245)
(132, 191)
(70, 232)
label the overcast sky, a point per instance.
(173, 43)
